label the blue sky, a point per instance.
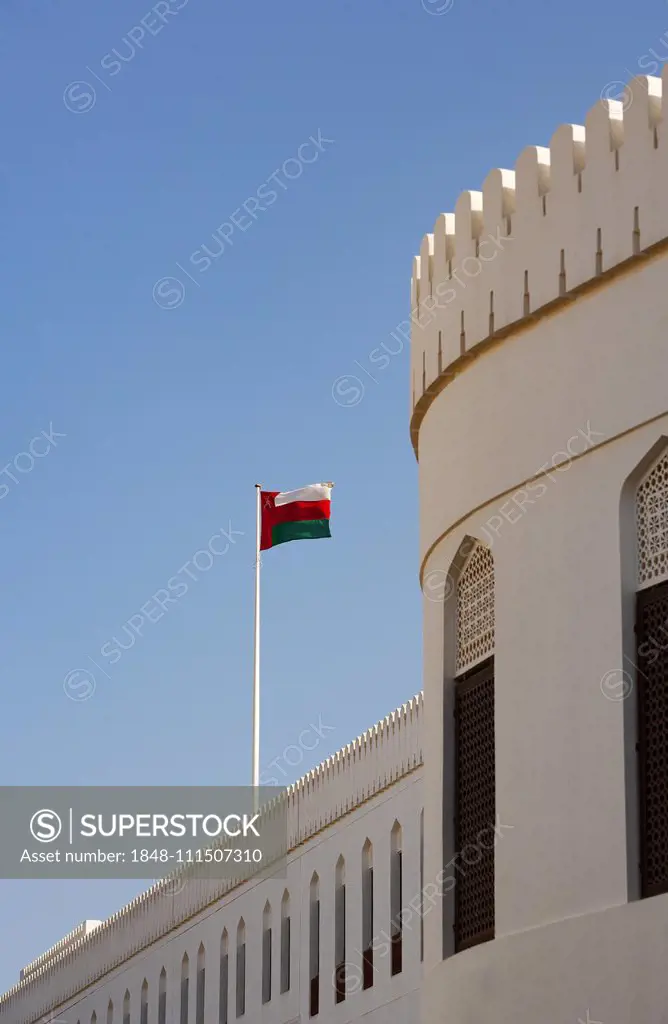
(166, 401)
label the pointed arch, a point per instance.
(314, 945)
(475, 625)
(241, 968)
(469, 751)
(126, 1007)
(367, 915)
(224, 978)
(651, 520)
(421, 829)
(396, 897)
(266, 952)
(143, 1003)
(162, 997)
(93, 1018)
(340, 930)
(644, 516)
(285, 942)
(110, 1012)
(200, 991)
(185, 989)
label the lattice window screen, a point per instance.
(652, 525)
(475, 609)
(475, 807)
(652, 615)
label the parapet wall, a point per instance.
(78, 933)
(568, 217)
(375, 760)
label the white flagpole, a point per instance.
(256, 656)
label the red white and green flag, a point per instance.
(282, 516)
(295, 515)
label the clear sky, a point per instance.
(166, 400)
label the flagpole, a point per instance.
(256, 655)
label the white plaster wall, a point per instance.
(391, 999)
(593, 377)
(592, 199)
(364, 774)
(601, 360)
(600, 968)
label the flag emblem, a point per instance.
(295, 515)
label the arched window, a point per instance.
(110, 1012)
(475, 786)
(241, 968)
(143, 1004)
(421, 885)
(162, 997)
(285, 942)
(314, 946)
(93, 1018)
(651, 628)
(185, 989)
(367, 915)
(396, 884)
(126, 1008)
(340, 931)
(201, 985)
(475, 609)
(224, 980)
(652, 524)
(266, 953)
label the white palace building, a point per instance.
(502, 859)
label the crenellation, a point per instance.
(468, 224)
(499, 204)
(444, 245)
(415, 285)
(468, 228)
(498, 201)
(566, 216)
(316, 800)
(567, 165)
(426, 260)
(643, 177)
(603, 181)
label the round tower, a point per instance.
(539, 417)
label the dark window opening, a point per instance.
(285, 954)
(223, 987)
(340, 944)
(367, 927)
(314, 957)
(396, 930)
(652, 661)
(475, 806)
(241, 979)
(266, 965)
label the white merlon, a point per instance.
(567, 215)
(69, 940)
